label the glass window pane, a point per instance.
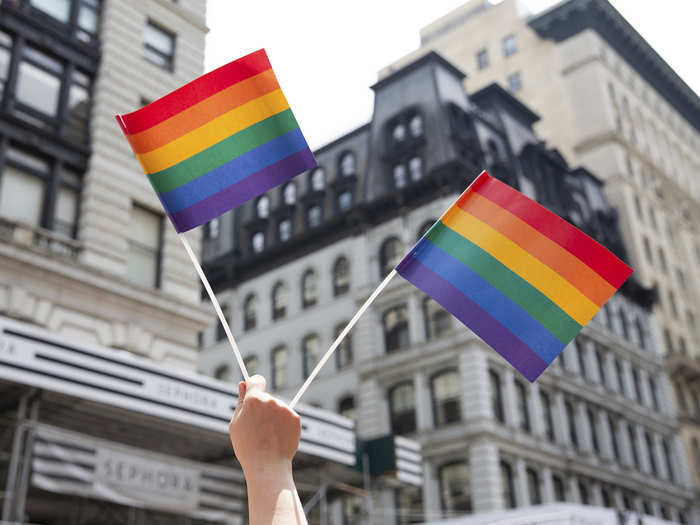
(59, 9)
(142, 265)
(145, 228)
(66, 209)
(87, 19)
(78, 112)
(158, 39)
(21, 196)
(38, 88)
(4, 66)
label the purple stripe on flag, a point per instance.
(242, 191)
(498, 337)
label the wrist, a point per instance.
(268, 472)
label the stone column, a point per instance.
(658, 453)
(590, 360)
(680, 465)
(522, 498)
(416, 326)
(574, 495)
(627, 378)
(423, 397)
(485, 477)
(609, 367)
(582, 426)
(384, 499)
(624, 444)
(596, 496)
(534, 407)
(604, 435)
(547, 487)
(644, 388)
(431, 491)
(509, 404)
(372, 410)
(642, 452)
(335, 511)
(561, 433)
(474, 382)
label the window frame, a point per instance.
(309, 301)
(445, 420)
(170, 59)
(401, 325)
(274, 372)
(159, 251)
(279, 312)
(343, 288)
(250, 323)
(466, 485)
(397, 419)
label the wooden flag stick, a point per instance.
(340, 337)
(215, 302)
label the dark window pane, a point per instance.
(403, 409)
(446, 394)
(454, 485)
(396, 328)
(38, 88)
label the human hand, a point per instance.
(264, 431)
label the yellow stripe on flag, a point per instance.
(213, 132)
(550, 283)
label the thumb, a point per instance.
(256, 383)
(241, 396)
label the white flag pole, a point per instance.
(223, 320)
(340, 337)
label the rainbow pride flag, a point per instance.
(218, 141)
(523, 279)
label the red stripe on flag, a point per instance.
(194, 92)
(588, 250)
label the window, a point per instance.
(250, 312)
(672, 302)
(345, 200)
(507, 488)
(620, 377)
(223, 372)
(285, 230)
(58, 9)
(515, 82)
(521, 400)
(309, 288)
(438, 321)
(571, 421)
(647, 250)
(220, 331)
(158, 46)
(583, 493)
(633, 446)
(415, 168)
(280, 298)
(533, 486)
(400, 178)
(346, 407)
(398, 133)
(425, 227)
(668, 459)
(496, 396)
(5, 57)
(343, 354)
(341, 276)
(559, 488)
(390, 255)
(600, 359)
(638, 208)
(251, 364)
(547, 415)
(262, 207)
(509, 47)
(396, 328)
(38, 84)
(88, 18)
(257, 242)
(446, 393)
(314, 216)
(455, 487)
(594, 431)
(143, 258)
(606, 498)
(347, 165)
(623, 324)
(652, 456)
(211, 229)
(78, 109)
(310, 349)
(482, 59)
(289, 194)
(613, 437)
(15, 182)
(637, 386)
(581, 352)
(403, 409)
(279, 368)
(66, 211)
(641, 333)
(318, 179)
(416, 125)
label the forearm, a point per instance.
(273, 498)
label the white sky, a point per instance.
(327, 53)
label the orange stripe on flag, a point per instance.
(202, 112)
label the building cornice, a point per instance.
(432, 56)
(574, 16)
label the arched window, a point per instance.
(279, 367)
(507, 488)
(546, 404)
(289, 194)
(262, 207)
(521, 399)
(211, 229)
(310, 349)
(318, 179)
(346, 407)
(345, 200)
(400, 175)
(425, 227)
(559, 488)
(251, 364)
(533, 486)
(314, 216)
(416, 125)
(398, 133)
(220, 332)
(258, 242)
(343, 354)
(285, 230)
(446, 394)
(223, 372)
(309, 288)
(594, 430)
(280, 298)
(396, 328)
(455, 487)
(390, 255)
(496, 396)
(341, 276)
(415, 168)
(250, 312)
(438, 321)
(347, 165)
(402, 406)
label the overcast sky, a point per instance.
(326, 54)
